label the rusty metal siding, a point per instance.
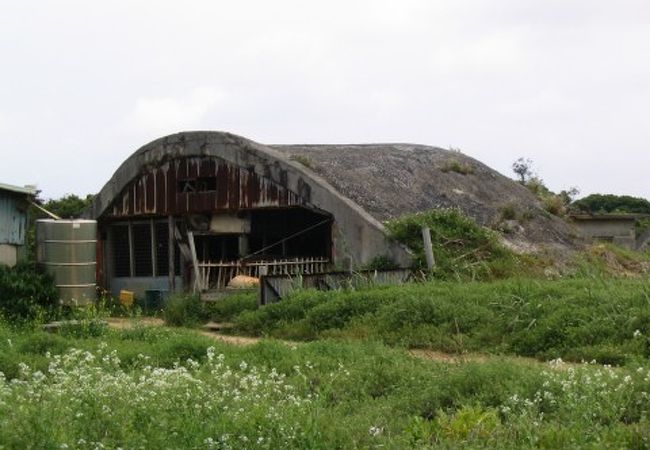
(13, 219)
(155, 192)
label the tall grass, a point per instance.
(162, 388)
(462, 248)
(607, 320)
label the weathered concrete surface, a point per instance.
(643, 241)
(616, 228)
(358, 236)
(389, 180)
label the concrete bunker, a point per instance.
(193, 210)
(619, 229)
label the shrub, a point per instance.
(509, 211)
(461, 247)
(304, 160)
(228, 307)
(184, 310)
(554, 204)
(453, 165)
(26, 294)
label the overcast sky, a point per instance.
(83, 84)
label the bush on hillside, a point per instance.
(461, 247)
(26, 293)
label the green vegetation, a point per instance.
(225, 309)
(575, 319)
(26, 294)
(556, 204)
(371, 378)
(608, 203)
(462, 248)
(453, 165)
(383, 262)
(161, 388)
(69, 206)
(183, 310)
(304, 160)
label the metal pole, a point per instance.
(428, 248)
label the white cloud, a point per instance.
(163, 115)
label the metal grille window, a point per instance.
(142, 257)
(141, 249)
(121, 251)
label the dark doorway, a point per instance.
(290, 233)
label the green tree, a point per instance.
(609, 203)
(70, 206)
(523, 167)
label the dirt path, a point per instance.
(122, 323)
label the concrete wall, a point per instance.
(643, 241)
(619, 231)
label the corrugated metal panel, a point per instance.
(220, 187)
(13, 220)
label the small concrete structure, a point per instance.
(618, 229)
(14, 202)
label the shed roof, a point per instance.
(27, 190)
(609, 216)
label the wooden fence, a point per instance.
(216, 275)
(274, 287)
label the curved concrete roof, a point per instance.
(363, 234)
(373, 182)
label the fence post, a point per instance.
(428, 248)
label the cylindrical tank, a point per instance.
(68, 251)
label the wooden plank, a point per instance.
(195, 262)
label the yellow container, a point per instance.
(127, 298)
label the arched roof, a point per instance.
(363, 234)
(372, 182)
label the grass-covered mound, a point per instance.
(607, 320)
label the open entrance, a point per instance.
(249, 242)
(289, 240)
